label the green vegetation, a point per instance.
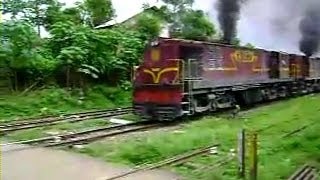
(56, 101)
(196, 26)
(249, 45)
(186, 22)
(278, 157)
(100, 11)
(75, 53)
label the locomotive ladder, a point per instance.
(188, 79)
(189, 94)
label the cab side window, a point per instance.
(192, 57)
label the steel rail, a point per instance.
(85, 135)
(67, 118)
(295, 131)
(170, 161)
(306, 172)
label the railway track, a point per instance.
(75, 117)
(307, 172)
(82, 116)
(171, 161)
(301, 128)
(86, 136)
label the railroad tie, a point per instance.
(306, 172)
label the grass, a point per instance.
(130, 117)
(278, 157)
(56, 101)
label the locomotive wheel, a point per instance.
(213, 105)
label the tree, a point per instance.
(115, 51)
(177, 6)
(53, 14)
(195, 25)
(82, 51)
(99, 11)
(56, 13)
(72, 14)
(33, 11)
(148, 25)
(19, 40)
(163, 12)
(186, 22)
(20, 49)
(70, 46)
(13, 8)
(249, 45)
(74, 47)
(176, 9)
(236, 41)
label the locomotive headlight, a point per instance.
(154, 43)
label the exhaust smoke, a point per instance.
(310, 31)
(228, 16)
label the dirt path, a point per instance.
(49, 164)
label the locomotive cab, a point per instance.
(157, 89)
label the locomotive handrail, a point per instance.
(133, 73)
(180, 73)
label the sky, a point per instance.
(255, 24)
(127, 8)
(252, 28)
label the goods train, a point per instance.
(181, 77)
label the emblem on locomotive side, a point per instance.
(156, 73)
(243, 56)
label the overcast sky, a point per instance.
(256, 25)
(127, 8)
(253, 27)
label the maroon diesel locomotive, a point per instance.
(182, 77)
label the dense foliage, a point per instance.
(186, 22)
(99, 11)
(196, 26)
(73, 49)
(74, 52)
(23, 53)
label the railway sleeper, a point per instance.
(306, 172)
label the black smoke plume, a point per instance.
(228, 16)
(310, 31)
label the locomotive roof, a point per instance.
(207, 43)
(221, 44)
